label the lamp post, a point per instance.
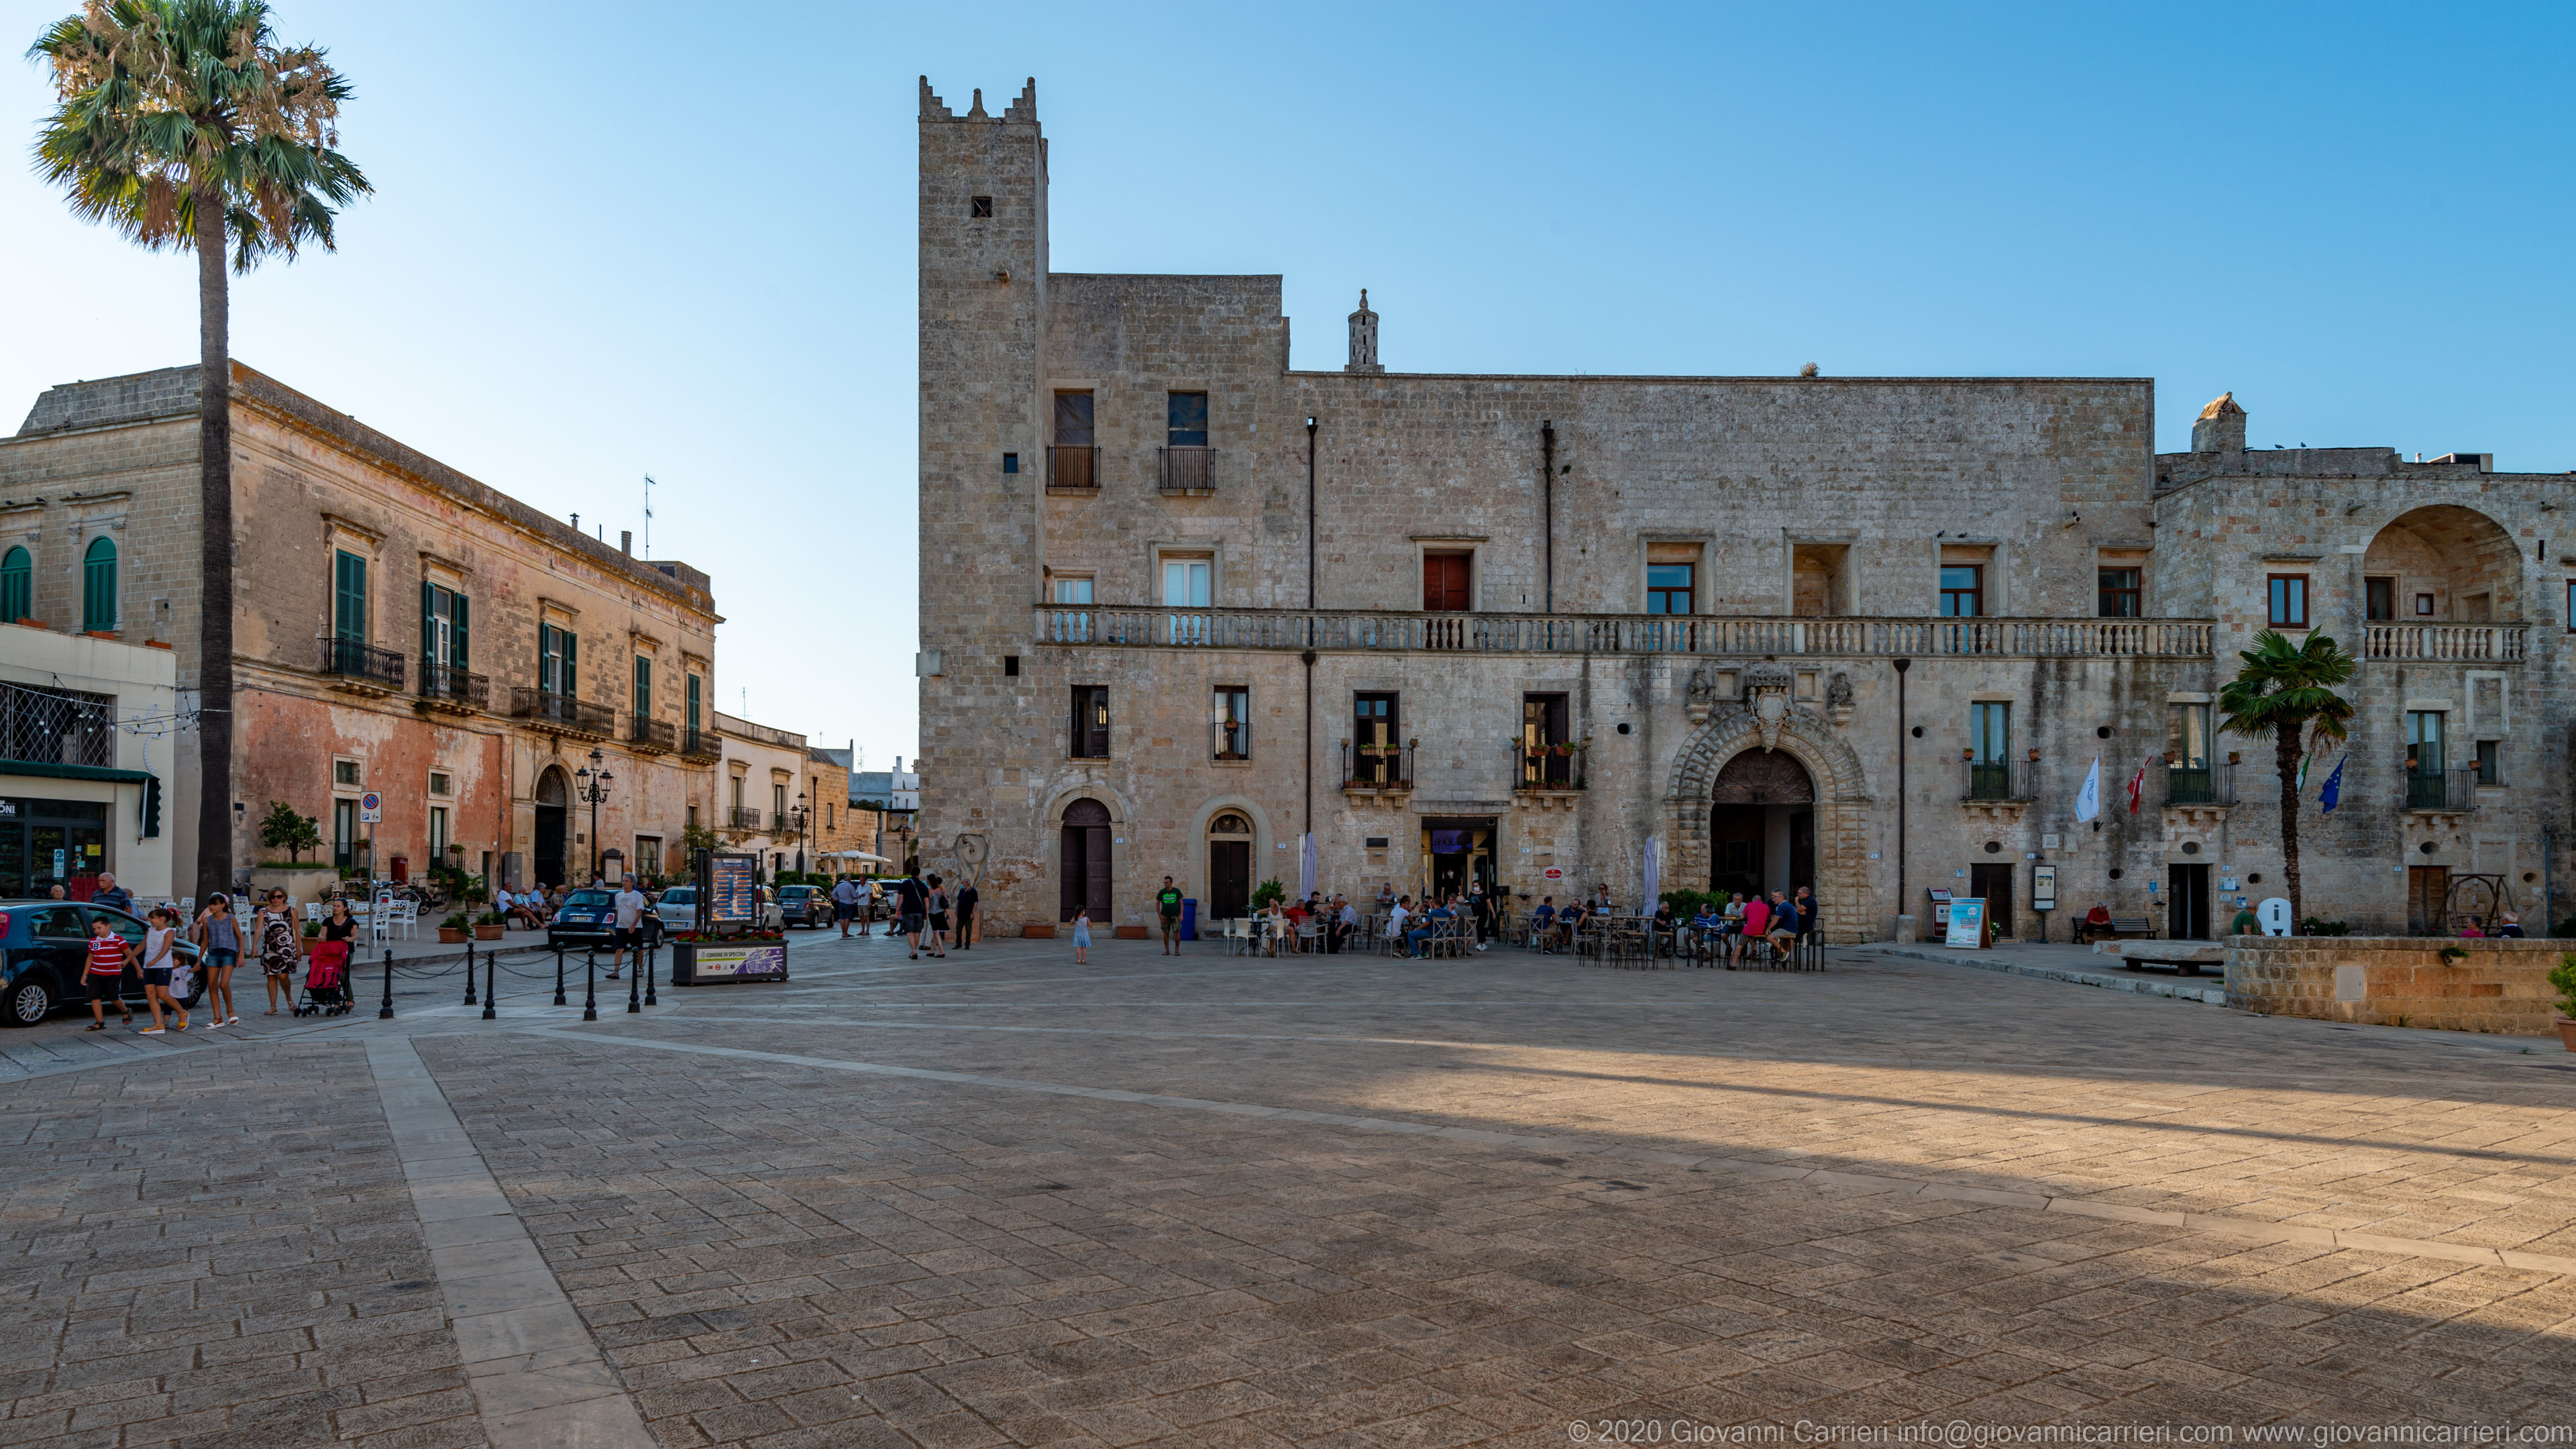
(800, 815)
(591, 784)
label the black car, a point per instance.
(805, 905)
(589, 918)
(44, 945)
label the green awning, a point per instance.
(44, 769)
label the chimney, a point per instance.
(1363, 338)
(2221, 428)
(626, 542)
(576, 523)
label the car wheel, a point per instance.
(30, 1000)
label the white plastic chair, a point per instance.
(406, 915)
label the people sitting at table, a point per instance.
(1434, 921)
(1543, 926)
(1757, 919)
(1396, 916)
(1707, 930)
(1784, 925)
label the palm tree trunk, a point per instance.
(2285, 751)
(215, 609)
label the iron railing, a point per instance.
(2200, 784)
(1995, 780)
(357, 659)
(701, 744)
(1545, 767)
(57, 726)
(2480, 643)
(1230, 739)
(1377, 767)
(1738, 638)
(2453, 792)
(743, 817)
(457, 686)
(1188, 470)
(645, 732)
(547, 709)
(1073, 465)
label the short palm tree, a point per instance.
(185, 125)
(2286, 691)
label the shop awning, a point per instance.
(43, 769)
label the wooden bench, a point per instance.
(2120, 926)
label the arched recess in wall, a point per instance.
(2441, 564)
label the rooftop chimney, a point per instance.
(626, 542)
(2221, 427)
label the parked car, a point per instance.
(804, 905)
(589, 918)
(43, 944)
(678, 909)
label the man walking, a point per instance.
(845, 904)
(1167, 902)
(629, 932)
(967, 896)
(911, 904)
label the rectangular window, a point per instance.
(2423, 606)
(438, 834)
(2426, 756)
(1547, 755)
(778, 803)
(696, 687)
(1073, 591)
(1071, 460)
(2379, 598)
(344, 833)
(344, 772)
(1963, 591)
(693, 820)
(1233, 722)
(2289, 594)
(1990, 750)
(2490, 762)
(440, 784)
(1185, 583)
(2188, 780)
(443, 618)
(643, 687)
(1090, 734)
(1669, 588)
(1380, 752)
(1073, 419)
(558, 658)
(1187, 420)
(1445, 582)
(349, 597)
(2117, 592)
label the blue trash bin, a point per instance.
(1189, 919)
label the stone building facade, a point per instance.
(1183, 603)
(399, 629)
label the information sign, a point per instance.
(2274, 913)
(371, 809)
(1940, 907)
(732, 891)
(697, 965)
(1967, 923)
(2043, 887)
(1553, 873)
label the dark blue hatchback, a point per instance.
(589, 918)
(42, 947)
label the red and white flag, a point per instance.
(2137, 788)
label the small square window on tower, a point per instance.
(980, 206)
(1010, 462)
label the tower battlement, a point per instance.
(1025, 109)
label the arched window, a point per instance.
(98, 585)
(1229, 824)
(17, 586)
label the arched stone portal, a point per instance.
(1762, 825)
(554, 802)
(1807, 749)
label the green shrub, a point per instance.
(2314, 927)
(456, 921)
(1267, 892)
(491, 918)
(2563, 977)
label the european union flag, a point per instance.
(2332, 794)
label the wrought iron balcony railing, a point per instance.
(2200, 784)
(2452, 792)
(355, 659)
(1072, 465)
(548, 710)
(1189, 470)
(701, 744)
(743, 817)
(1723, 638)
(1377, 767)
(448, 684)
(1545, 767)
(1995, 781)
(647, 733)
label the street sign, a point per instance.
(1553, 873)
(371, 809)
(2274, 913)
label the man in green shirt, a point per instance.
(1168, 902)
(2245, 924)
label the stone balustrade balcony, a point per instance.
(1702, 635)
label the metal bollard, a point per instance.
(590, 984)
(650, 953)
(491, 983)
(559, 996)
(635, 984)
(386, 1012)
(469, 971)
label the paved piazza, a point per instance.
(1004, 1200)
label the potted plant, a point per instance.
(489, 926)
(451, 932)
(304, 942)
(2563, 977)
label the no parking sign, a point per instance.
(1553, 873)
(371, 809)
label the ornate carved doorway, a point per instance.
(1762, 825)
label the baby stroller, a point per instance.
(326, 980)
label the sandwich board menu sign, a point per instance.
(1967, 923)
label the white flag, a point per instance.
(2088, 801)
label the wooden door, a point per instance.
(1229, 879)
(1995, 883)
(2428, 899)
(1082, 864)
(1096, 871)
(1444, 582)
(2187, 902)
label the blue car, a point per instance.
(589, 918)
(43, 947)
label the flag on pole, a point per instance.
(2138, 787)
(2332, 794)
(2302, 786)
(2088, 801)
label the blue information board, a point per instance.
(732, 892)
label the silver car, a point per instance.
(678, 909)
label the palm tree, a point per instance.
(2286, 690)
(186, 126)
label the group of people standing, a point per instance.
(222, 939)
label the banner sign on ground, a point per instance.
(1967, 923)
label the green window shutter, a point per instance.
(546, 658)
(693, 704)
(428, 627)
(456, 655)
(151, 806)
(17, 586)
(349, 601)
(643, 687)
(98, 585)
(571, 663)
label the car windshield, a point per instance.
(680, 896)
(798, 891)
(592, 899)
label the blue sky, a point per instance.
(680, 241)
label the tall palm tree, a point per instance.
(2286, 691)
(186, 126)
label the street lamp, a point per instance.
(800, 815)
(592, 785)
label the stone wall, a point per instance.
(2500, 986)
